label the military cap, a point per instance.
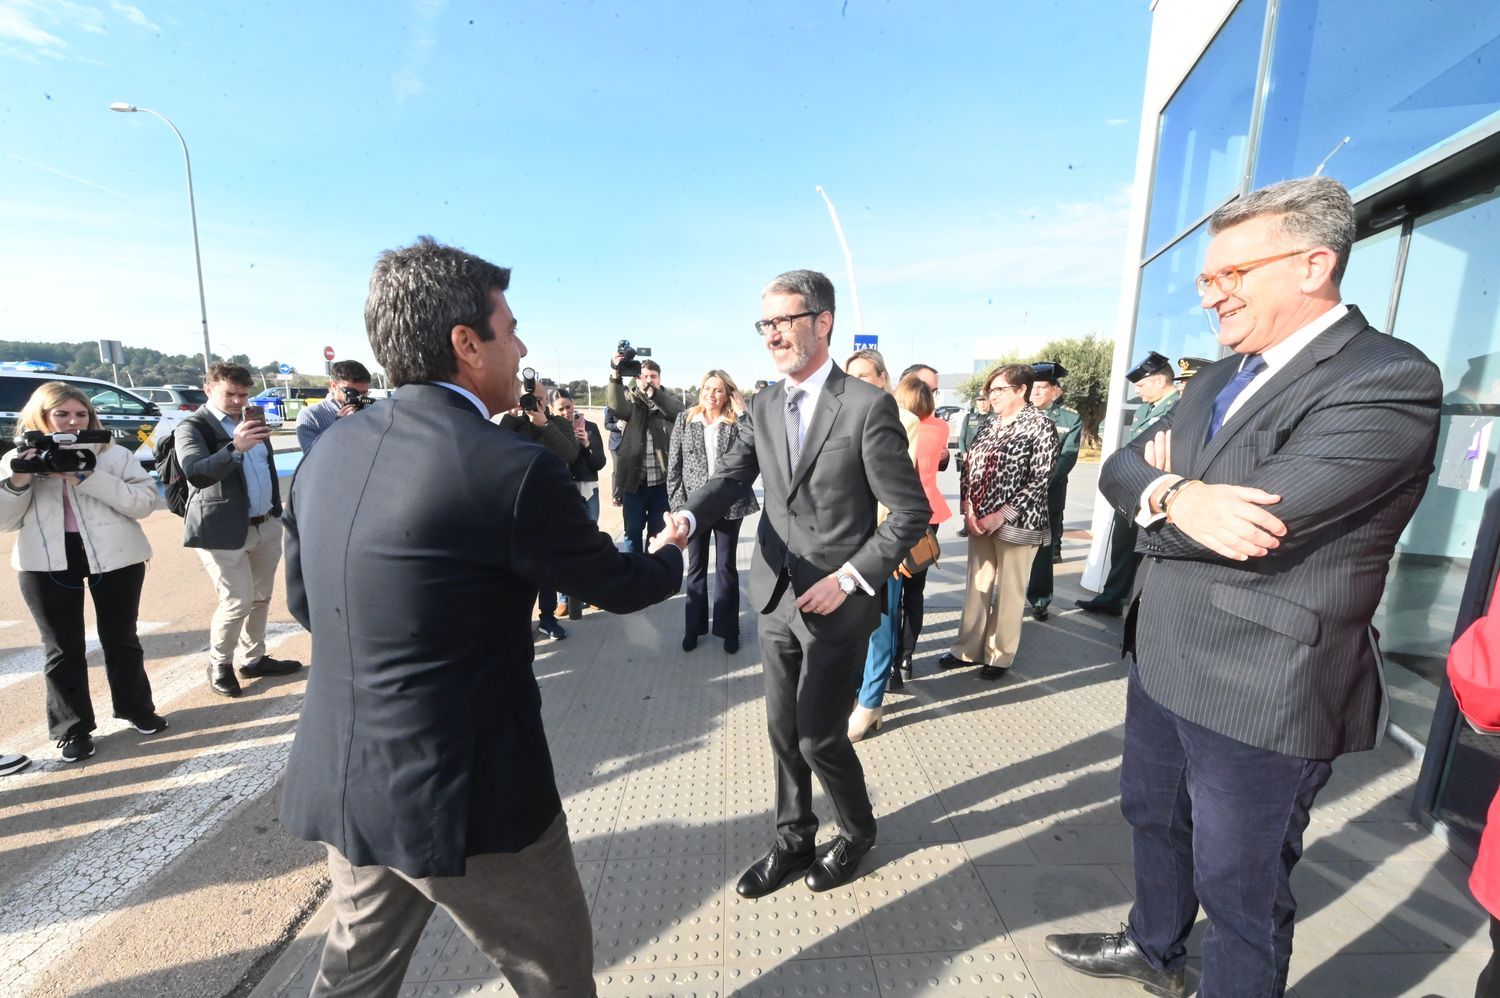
(1154, 363)
(1049, 370)
(1189, 366)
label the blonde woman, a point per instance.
(1003, 497)
(77, 530)
(700, 437)
(869, 367)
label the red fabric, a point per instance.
(932, 444)
(1474, 671)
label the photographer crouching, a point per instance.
(641, 460)
(348, 392)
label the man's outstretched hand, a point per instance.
(674, 531)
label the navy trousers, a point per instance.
(726, 601)
(1217, 823)
(645, 513)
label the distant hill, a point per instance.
(143, 366)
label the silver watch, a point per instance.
(846, 582)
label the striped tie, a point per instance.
(794, 426)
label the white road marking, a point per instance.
(23, 664)
(46, 917)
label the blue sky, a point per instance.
(644, 168)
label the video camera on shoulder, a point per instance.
(529, 401)
(356, 398)
(630, 365)
(58, 453)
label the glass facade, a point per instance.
(1204, 133)
(1170, 317)
(1340, 69)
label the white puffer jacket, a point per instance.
(106, 505)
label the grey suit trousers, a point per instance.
(525, 911)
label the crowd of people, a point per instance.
(1268, 499)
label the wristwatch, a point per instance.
(846, 582)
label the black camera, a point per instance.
(56, 453)
(629, 366)
(354, 397)
(529, 401)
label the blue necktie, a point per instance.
(1254, 364)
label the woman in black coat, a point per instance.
(700, 437)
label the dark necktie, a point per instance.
(1254, 364)
(793, 427)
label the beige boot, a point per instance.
(863, 722)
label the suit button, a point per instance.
(793, 515)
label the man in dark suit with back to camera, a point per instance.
(827, 448)
(1270, 500)
(420, 758)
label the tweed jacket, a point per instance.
(687, 462)
(1009, 467)
(1278, 651)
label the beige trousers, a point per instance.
(995, 600)
(525, 911)
(243, 579)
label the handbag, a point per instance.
(923, 555)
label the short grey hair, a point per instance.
(1313, 211)
(815, 288)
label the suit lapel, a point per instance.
(1323, 346)
(824, 413)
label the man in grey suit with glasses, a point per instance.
(827, 448)
(1270, 501)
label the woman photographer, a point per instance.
(700, 436)
(79, 528)
(585, 471)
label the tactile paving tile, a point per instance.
(591, 819)
(928, 899)
(980, 973)
(447, 989)
(678, 982)
(437, 935)
(853, 976)
(660, 912)
(791, 922)
(680, 820)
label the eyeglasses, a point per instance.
(782, 323)
(1228, 279)
(999, 390)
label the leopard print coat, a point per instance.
(1007, 470)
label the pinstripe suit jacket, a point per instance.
(1278, 652)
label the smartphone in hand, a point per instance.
(255, 414)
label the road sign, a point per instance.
(866, 341)
(328, 353)
(284, 369)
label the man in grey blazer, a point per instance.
(827, 448)
(233, 519)
(1271, 499)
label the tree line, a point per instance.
(143, 365)
(1085, 389)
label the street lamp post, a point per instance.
(192, 214)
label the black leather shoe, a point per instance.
(732, 644)
(1115, 954)
(773, 871)
(1095, 606)
(268, 666)
(905, 666)
(689, 642)
(992, 672)
(895, 682)
(1039, 613)
(837, 865)
(952, 661)
(221, 679)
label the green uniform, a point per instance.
(1069, 431)
(1146, 413)
(1122, 557)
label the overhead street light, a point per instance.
(192, 214)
